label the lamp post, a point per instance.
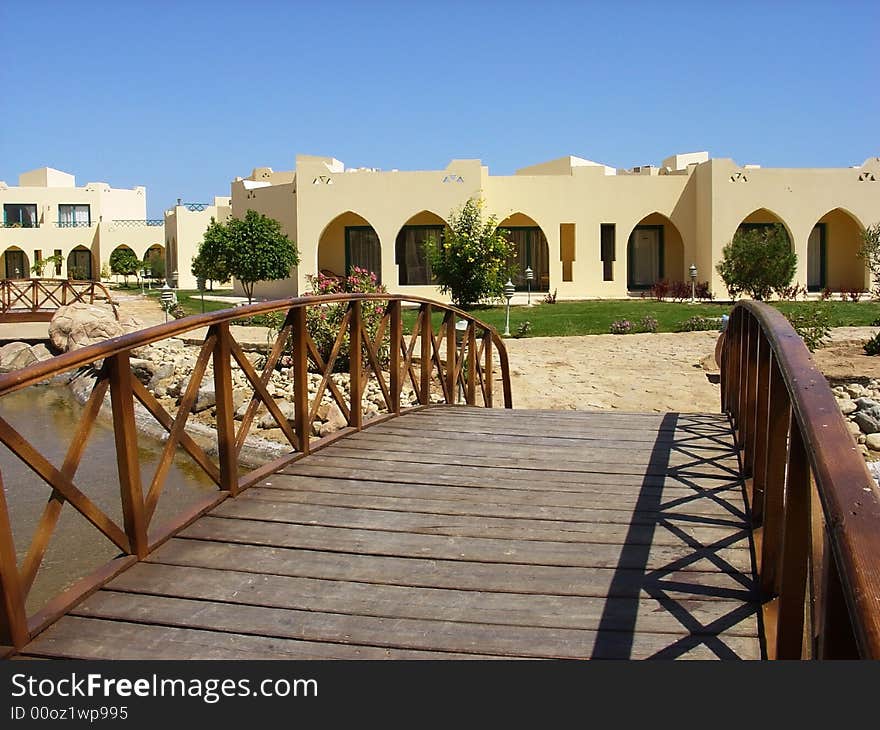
(509, 290)
(693, 271)
(167, 296)
(530, 275)
(142, 275)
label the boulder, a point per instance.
(872, 441)
(335, 420)
(80, 325)
(847, 406)
(41, 352)
(868, 420)
(205, 399)
(287, 410)
(16, 355)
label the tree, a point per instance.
(471, 262)
(125, 262)
(870, 251)
(758, 261)
(253, 249)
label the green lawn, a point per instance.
(593, 317)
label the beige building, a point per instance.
(47, 215)
(584, 228)
(185, 225)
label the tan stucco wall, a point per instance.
(184, 231)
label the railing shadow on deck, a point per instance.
(815, 508)
(670, 584)
(36, 300)
(435, 364)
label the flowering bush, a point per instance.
(648, 324)
(621, 327)
(324, 320)
(699, 324)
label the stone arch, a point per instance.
(347, 241)
(531, 250)
(654, 251)
(123, 247)
(79, 264)
(16, 264)
(833, 260)
(154, 261)
(765, 217)
(413, 265)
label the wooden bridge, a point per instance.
(36, 300)
(455, 528)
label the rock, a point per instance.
(161, 371)
(287, 410)
(868, 420)
(853, 428)
(80, 324)
(205, 399)
(872, 441)
(865, 403)
(863, 449)
(855, 390)
(847, 406)
(144, 370)
(16, 355)
(41, 352)
(335, 420)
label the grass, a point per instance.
(592, 317)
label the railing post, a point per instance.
(795, 551)
(733, 347)
(222, 358)
(394, 355)
(472, 365)
(13, 618)
(34, 296)
(751, 384)
(426, 338)
(125, 435)
(487, 368)
(354, 357)
(759, 467)
(300, 370)
(778, 421)
(451, 353)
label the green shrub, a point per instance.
(872, 346)
(523, 329)
(758, 262)
(647, 324)
(699, 324)
(621, 327)
(813, 324)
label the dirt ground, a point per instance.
(642, 373)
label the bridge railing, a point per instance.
(815, 507)
(430, 360)
(29, 299)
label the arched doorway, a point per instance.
(654, 251)
(79, 264)
(413, 264)
(530, 250)
(124, 262)
(154, 261)
(348, 242)
(833, 260)
(15, 264)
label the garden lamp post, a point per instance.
(509, 290)
(142, 275)
(693, 271)
(530, 275)
(167, 296)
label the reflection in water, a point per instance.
(48, 416)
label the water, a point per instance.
(48, 416)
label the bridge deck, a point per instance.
(456, 532)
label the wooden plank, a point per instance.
(433, 604)
(466, 482)
(468, 526)
(401, 633)
(491, 550)
(599, 507)
(464, 575)
(77, 637)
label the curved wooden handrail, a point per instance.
(23, 300)
(815, 507)
(450, 365)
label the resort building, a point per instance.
(47, 217)
(584, 229)
(185, 226)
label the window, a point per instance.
(567, 249)
(409, 254)
(362, 250)
(530, 251)
(58, 259)
(20, 215)
(607, 242)
(74, 216)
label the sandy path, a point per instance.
(643, 373)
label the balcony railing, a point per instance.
(74, 224)
(17, 224)
(136, 222)
(196, 207)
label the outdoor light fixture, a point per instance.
(143, 273)
(693, 271)
(530, 275)
(509, 290)
(167, 296)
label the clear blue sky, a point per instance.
(183, 96)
